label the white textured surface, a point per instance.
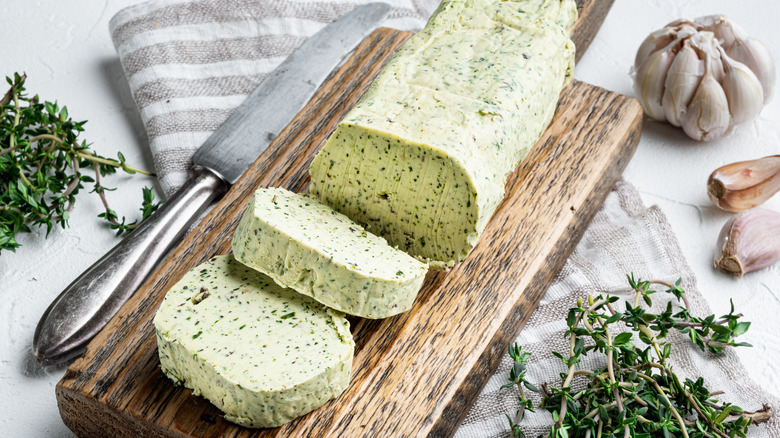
(66, 51)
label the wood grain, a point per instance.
(414, 374)
(591, 13)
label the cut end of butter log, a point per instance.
(261, 353)
(305, 245)
(423, 158)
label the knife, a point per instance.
(87, 304)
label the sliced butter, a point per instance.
(262, 354)
(307, 246)
(423, 158)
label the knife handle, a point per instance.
(87, 304)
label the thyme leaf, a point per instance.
(42, 163)
(637, 393)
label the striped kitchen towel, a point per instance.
(190, 64)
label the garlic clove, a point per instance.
(748, 242)
(743, 90)
(707, 117)
(649, 83)
(683, 78)
(718, 69)
(654, 42)
(745, 184)
(756, 57)
(725, 30)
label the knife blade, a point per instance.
(87, 304)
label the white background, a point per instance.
(65, 48)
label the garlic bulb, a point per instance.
(704, 75)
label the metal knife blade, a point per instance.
(251, 128)
(87, 304)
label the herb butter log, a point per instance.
(305, 245)
(262, 354)
(423, 157)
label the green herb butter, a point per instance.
(262, 354)
(305, 245)
(422, 159)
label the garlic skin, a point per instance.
(704, 75)
(744, 184)
(748, 242)
(725, 30)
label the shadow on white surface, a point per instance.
(31, 369)
(667, 133)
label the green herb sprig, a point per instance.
(637, 394)
(517, 378)
(41, 167)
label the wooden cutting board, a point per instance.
(414, 374)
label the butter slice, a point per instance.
(262, 354)
(307, 246)
(422, 159)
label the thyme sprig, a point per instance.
(637, 394)
(517, 378)
(41, 167)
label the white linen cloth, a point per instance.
(190, 64)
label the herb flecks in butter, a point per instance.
(422, 159)
(261, 353)
(307, 246)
